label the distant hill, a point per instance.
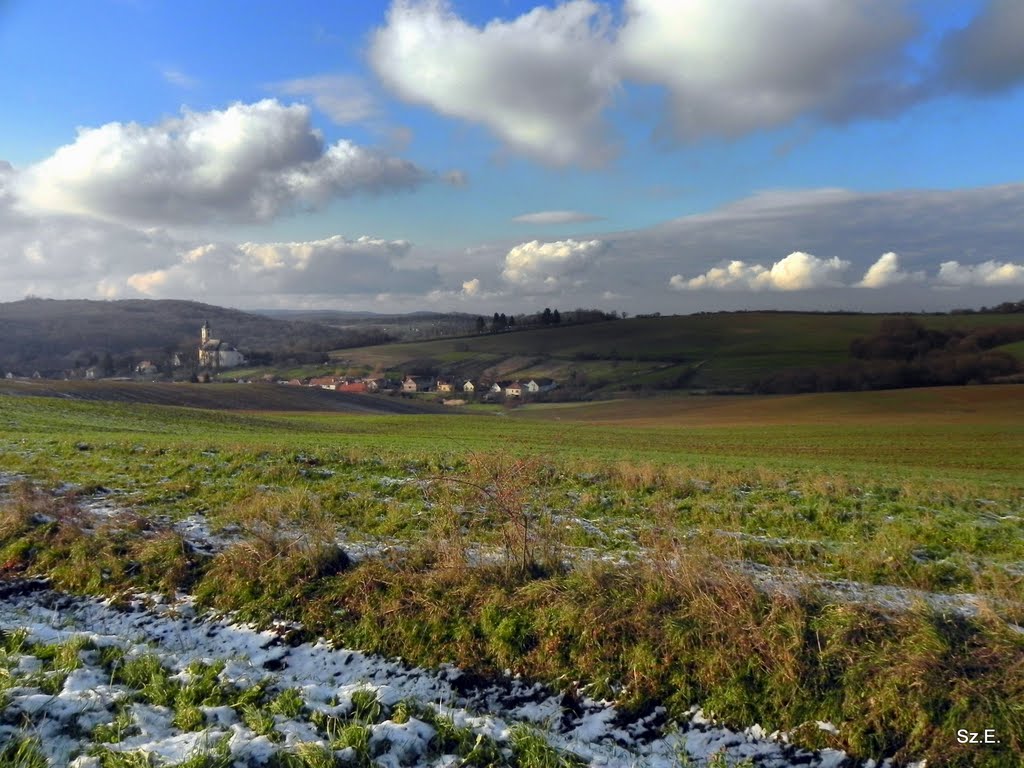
(707, 351)
(365, 328)
(52, 336)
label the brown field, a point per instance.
(233, 397)
(992, 405)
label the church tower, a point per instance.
(204, 333)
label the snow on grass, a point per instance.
(304, 697)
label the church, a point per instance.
(214, 353)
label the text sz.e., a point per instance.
(988, 736)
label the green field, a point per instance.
(670, 523)
(728, 349)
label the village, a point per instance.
(212, 357)
(411, 385)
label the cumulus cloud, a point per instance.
(343, 98)
(953, 273)
(249, 162)
(986, 56)
(335, 266)
(471, 287)
(540, 82)
(886, 271)
(796, 272)
(554, 217)
(543, 266)
(735, 66)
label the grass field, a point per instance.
(779, 560)
(732, 348)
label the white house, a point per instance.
(468, 386)
(533, 386)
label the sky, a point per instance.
(666, 156)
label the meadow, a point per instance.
(855, 559)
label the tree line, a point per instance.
(903, 353)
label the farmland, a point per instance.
(853, 559)
(712, 351)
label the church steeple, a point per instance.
(204, 333)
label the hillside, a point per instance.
(51, 336)
(727, 350)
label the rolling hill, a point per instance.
(727, 350)
(51, 336)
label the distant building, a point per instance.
(515, 389)
(214, 353)
(533, 386)
(445, 385)
(468, 386)
(417, 384)
(147, 368)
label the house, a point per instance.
(92, 373)
(468, 387)
(444, 385)
(325, 382)
(417, 384)
(515, 389)
(535, 386)
(352, 386)
(496, 388)
(147, 368)
(214, 353)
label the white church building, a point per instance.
(214, 353)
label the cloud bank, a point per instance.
(249, 162)
(537, 266)
(953, 273)
(333, 266)
(886, 271)
(731, 67)
(796, 272)
(540, 82)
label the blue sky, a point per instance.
(646, 155)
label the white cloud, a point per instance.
(554, 217)
(542, 266)
(886, 271)
(343, 98)
(335, 266)
(736, 66)
(178, 78)
(249, 162)
(990, 272)
(540, 82)
(471, 287)
(796, 272)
